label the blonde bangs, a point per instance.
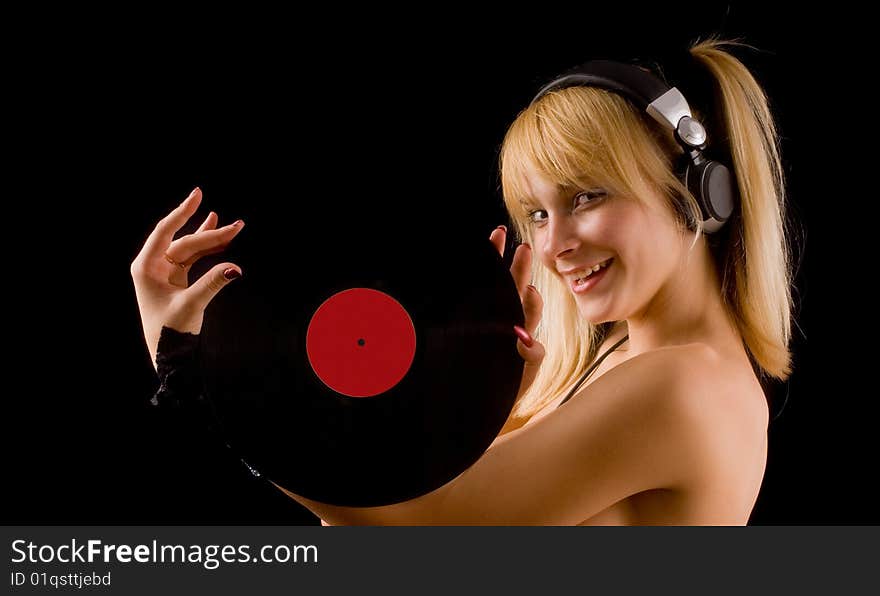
(580, 137)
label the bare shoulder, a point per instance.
(713, 388)
(692, 378)
(697, 412)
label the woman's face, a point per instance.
(635, 242)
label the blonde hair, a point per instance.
(582, 134)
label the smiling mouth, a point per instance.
(589, 278)
(591, 272)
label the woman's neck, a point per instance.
(687, 308)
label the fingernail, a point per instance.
(231, 274)
(237, 223)
(533, 288)
(503, 228)
(190, 195)
(523, 336)
(526, 245)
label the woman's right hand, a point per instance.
(160, 272)
(531, 350)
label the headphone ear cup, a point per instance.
(715, 190)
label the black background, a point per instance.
(322, 134)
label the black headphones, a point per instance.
(709, 181)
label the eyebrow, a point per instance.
(563, 189)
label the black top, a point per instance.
(180, 382)
(181, 387)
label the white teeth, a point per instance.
(586, 273)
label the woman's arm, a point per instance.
(643, 425)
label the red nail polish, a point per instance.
(231, 274)
(523, 336)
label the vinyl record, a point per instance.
(370, 378)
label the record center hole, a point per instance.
(361, 342)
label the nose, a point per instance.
(560, 239)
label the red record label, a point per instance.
(361, 342)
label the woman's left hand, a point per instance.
(531, 350)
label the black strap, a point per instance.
(591, 369)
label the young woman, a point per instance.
(646, 338)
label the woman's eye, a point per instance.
(588, 197)
(581, 199)
(538, 216)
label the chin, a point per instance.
(595, 318)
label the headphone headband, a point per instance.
(640, 86)
(647, 91)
